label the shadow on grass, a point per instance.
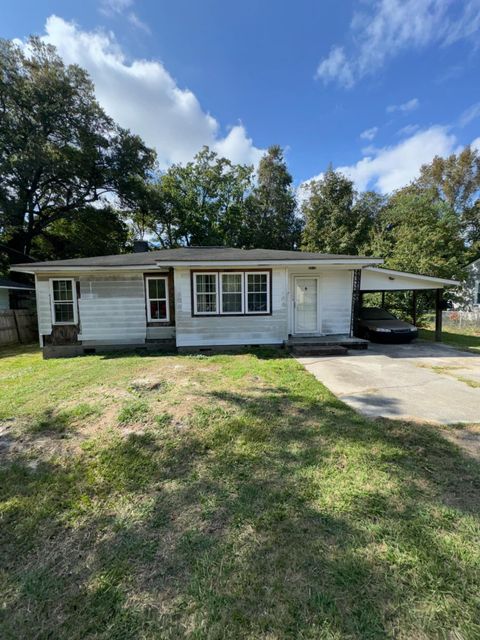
(276, 513)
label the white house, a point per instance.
(204, 297)
(471, 288)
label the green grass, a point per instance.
(466, 340)
(242, 500)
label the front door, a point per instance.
(306, 305)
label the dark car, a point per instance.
(378, 325)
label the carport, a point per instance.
(378, 280)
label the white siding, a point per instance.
(336, 301)
(112, 308)
(4, 299)
(230, 330)
(160, 333)
(44, 310)
(335, 298)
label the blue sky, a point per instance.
(377, 87)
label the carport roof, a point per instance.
(380, 279)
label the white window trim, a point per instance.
(167, 301)
(257, 273)
(242, 292)
(195, 309)
(74, 301)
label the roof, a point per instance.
(6, 283)
(405, 277)
(189, 255)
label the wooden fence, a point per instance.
(18, 326)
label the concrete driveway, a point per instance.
(420, 381)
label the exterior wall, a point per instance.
(335, 299)
(44, 311)
(470, 288)
(112, 308)
(4, 299)
(230, 330)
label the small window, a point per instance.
(258, 292)
(232, 292)
(478, 292)
(157, 300)
(206, 293)
(64, 303)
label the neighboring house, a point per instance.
(16, 295)
(202, 297)
(471, 288)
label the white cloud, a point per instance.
(476, 144)
(393, 167)
(336, 67)
(136, 22)
(470, 114)
(408, 130)
(142, 96)
(369, 134)
(405, 107)
(386, 28)
(111, 7)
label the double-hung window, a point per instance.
(258, 298)
(64, 301)
(206, 293)
(157, 299)
(231, 292)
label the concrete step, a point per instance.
(313, 350)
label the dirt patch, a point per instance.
(467, 438)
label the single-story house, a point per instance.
(471, 288)
(204, 297)
(16, 295)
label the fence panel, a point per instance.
(18, 326)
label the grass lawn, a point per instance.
(224, 497)
(467, 339)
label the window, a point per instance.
(157, 300)
(64, 302)
(232, 292)
(478, 292)
(206, 293)
(258, 292)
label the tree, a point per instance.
(271, 220)
(456, 181)
(200, 203)
(59, 151)
(91, 232)
(419, 233)
(336, 220)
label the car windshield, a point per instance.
(375, 313)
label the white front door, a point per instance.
(306, 305)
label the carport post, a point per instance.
(438, 314)
(414, 308)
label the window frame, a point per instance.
(242, 293)
(218, 273)
(268, 293)
(73, 302)
(148, 299)
(195, 293)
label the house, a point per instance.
(16, 295)
(471, 287)
(204, 297)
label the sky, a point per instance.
(375, 87)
